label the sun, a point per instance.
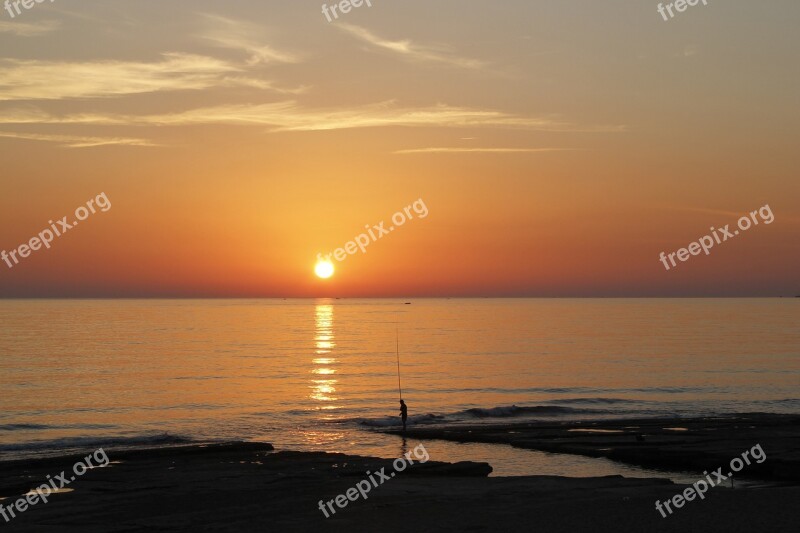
(324, 269)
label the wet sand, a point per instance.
(242, 486)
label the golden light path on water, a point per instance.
(323, 388)
(323, 381)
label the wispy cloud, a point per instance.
(26, 29)
(243, 36)
(54, 80)
(290, 116)
(409, 50)
(720, 212)
(703, 210)
(75, 141)
(256, 83)
(479, 150)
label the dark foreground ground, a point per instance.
(241, 487)
(683, 444)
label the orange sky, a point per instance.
(559, 148)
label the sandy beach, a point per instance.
(236, 486)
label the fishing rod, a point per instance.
(397, 338)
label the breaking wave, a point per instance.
(477, 413)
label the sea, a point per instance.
(322, 374)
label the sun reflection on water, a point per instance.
(324, 389)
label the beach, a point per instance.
(233, 486)
(678, 444)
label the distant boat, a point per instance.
(409, 303)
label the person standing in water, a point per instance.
(403, 413)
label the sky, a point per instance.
(559, 147)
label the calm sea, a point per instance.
(322, 374)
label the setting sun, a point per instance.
(324, 269)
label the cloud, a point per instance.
(479, 150)
(703, 210)
(244, 81)
(25, 29)
(74, 141)
(409, 50)
(243, 36)
(289, 116)
(52, 80)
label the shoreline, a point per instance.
(236, 485)
(669, 443)
(229, 487)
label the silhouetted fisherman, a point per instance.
(403, 413)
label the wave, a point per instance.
(598, 401)
(391, 421)
(474, 413)
(24, 427)
(513, 410)
(80, 443)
